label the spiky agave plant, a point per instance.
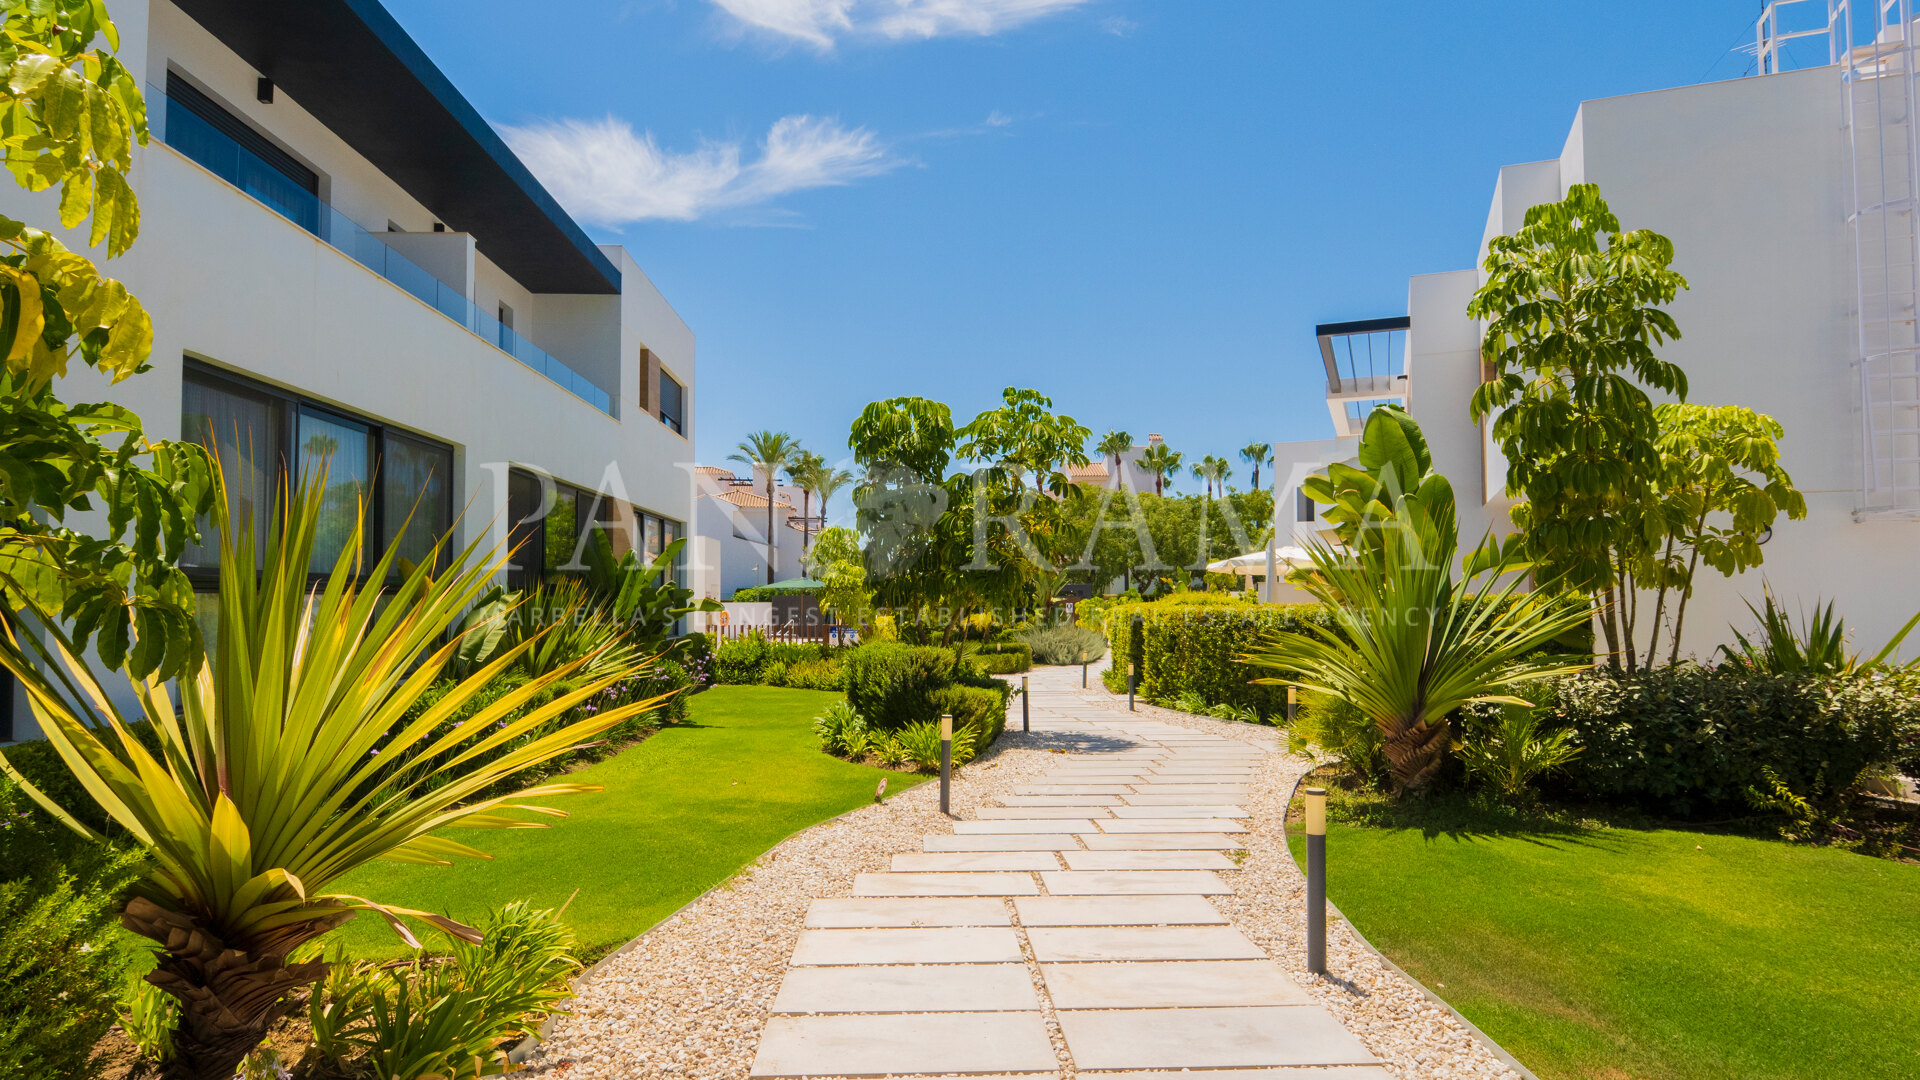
(276, 775)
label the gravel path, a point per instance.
(691, 998)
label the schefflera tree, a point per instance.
(1619, 495)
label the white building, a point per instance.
(730, 519)
(1790, 200)
(341, 257)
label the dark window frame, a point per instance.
(290, 404)
(676, 418)
(1304, 508)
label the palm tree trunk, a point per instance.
(806, 521)
(772, 551)
(1413, 749)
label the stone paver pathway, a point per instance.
(1068, 930)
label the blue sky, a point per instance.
(1140, 208)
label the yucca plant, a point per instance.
(1509, 754)
(1817, 646)
(274, 776)
(1409, 643)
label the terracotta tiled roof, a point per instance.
(712, 470)
(748, 499)
(1083, 473)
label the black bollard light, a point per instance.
(1026, 720)
(1292, 700)
(1317, 880)
(946, 761)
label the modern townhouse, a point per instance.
(346, 264)
(1790, 197)
(730, 515)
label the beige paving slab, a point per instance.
(905, 1044)
(937, 861)
(1208, 1038)
(907, 945)
(1121, 882)
(1182, 772)
(1003, 842)
(1160, 788)
(1147, 910)
(1073, 944)
(1177, 811)
(1298, 1073)
(1071, 789)
(900, 989)
(1172, 984)
(956, 884)
(1163, 842)
(1169, 825)
(1022, 825)
(853, 911)
(1143, 860)
(1030, 813)
(1157, 799)
(1057, 802)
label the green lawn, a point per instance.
(681, 813)
(1648, 953)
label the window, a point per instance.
(672, 403)
(1303, 507)
(506, 328)
(388, 483)
(200, 128)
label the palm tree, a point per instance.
(1113, 445)
(302, 750)
(1214, 471)
(768, 450)
(1256, 454)
(829, 481)
(1162, 461)
(803, 471)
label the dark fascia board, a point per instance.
(1326, 332)
(350, 64)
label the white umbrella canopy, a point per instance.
(1254, 563)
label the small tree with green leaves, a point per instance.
(1572, 307)
(70, 114)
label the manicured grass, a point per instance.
(681, 813)
(1615, 953)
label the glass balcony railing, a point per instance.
(212, 148)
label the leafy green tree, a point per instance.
(70, 114)
(768, 451)
(905, 445)
(1256, 455)
(1027, 437)
(1162, 461)
(837, 562)
(1410, 643)
(1572, 310)
(1721, 489)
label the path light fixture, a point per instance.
(1026, 722)
(1316, 880)
(946, 762)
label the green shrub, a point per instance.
(1689, 740)
(774, 673)
(817, 675)
(760, 594)
(842, 731)
(149, 1016)
(920, 744)
(976, 709)
(1191, 643)
(737, 662)
(1509, 753)
(1333, 727)
(60, 970)
(1114, 679)
(1000, 657)
(1064, 645)
(893, 685)
(446, 1019)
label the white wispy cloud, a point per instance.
(822, 23)
(606, 173)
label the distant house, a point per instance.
(730, 521)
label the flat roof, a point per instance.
(350, 64)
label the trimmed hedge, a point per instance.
(979, 706)
(894, 685)
(1190, 645)
(749, 661)
(1689, 741)
(1001, 657)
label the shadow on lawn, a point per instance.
(1461, 817)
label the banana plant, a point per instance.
(280, 770)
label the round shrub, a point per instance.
(893, 685)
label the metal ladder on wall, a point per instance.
(1872, 43)
(1877, 70)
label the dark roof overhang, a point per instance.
(351, 65)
